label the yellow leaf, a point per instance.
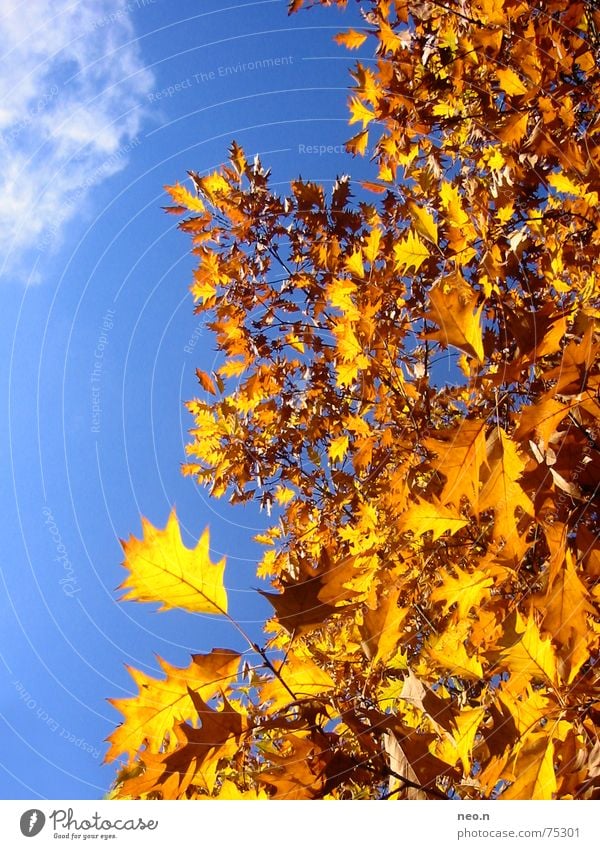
(390, 40)
(432, 516)
(364, 453)
(424, 222)
(372, 245)
(527, 708)
(230, 792)
(350, 39)
(510, 81)
(161, 703)
(203, 290)
(347, 372)
(298, 673)
(448, 652)
(233, 368)
(567, 608)
(526, 655)
(566, 604)
(490, 12)
(410, 253)
(385, 173)
(283, 495)
(467, 590)
(468, 722)
(163, 570)
(214, 184)
(294, 342)
(338, 448)
(183, 197)
(354, 263)
(566, 186)
(347, 343)
(340, 294)
(459, 746)
(452, 203)
(502, 491)
(360, 112)
(533, 770)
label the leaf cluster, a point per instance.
(409, 380)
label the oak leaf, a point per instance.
(410, 253)
(160, 703)
(352, 39)
(459, 318)
(532, 773)
(162, 569)
(525, 654)
(466, 590)
(425, 516)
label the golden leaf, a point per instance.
(565, 185)
(354, 263)
(502, 491)
(456, 312)
(297, 677)
(448, 652)
(527, 708)
(525, 655)
(410, 253)
(183, 197)
(459, 746)
(467, 590)
(424, 222)
(358, 143)
(452, 203)
(461, 454)
(381, 626)
(338, 448)
(283, 495)
(360, 113)
(163, 570)
(425, 516)
(532, 772)
(372, 245)
(350, 39)
(150, 716)
(510, 81)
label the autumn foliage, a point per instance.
(410, 384)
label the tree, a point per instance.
(410, 377)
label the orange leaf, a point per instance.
(206, 381)
(455, 310)
(351, 39)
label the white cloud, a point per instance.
(72, 89)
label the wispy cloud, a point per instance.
(72, 85)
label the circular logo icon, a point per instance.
(32, 822)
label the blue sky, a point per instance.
(102, 103)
